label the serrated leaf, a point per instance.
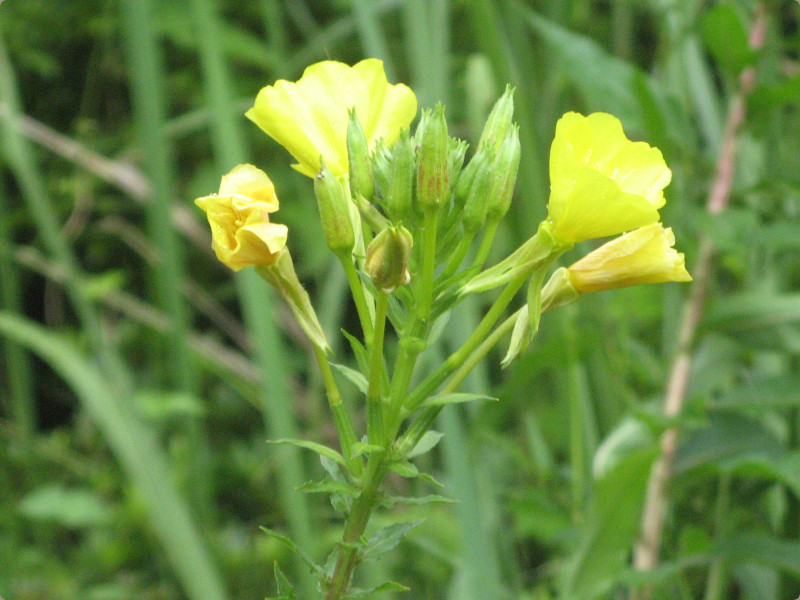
(427, 442)
(327, 486)
(295, 550)
(392, 501)
(387, 538)
(353, 376)
(320, 449)
(389, 586)
(455, 398)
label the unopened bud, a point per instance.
(504, 175)
(477, 204)
(498, 123)
(387, 258)
(433, 178)
(467, 177)
(334, 211)
(361, 180)
(401, 179)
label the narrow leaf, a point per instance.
(313, 446)
(426, 443)
(455, 398)
(295, 550)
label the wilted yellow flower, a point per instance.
(644, 255)
(601, 183)
(241, 234)
(309, 118)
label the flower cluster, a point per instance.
(408, 216)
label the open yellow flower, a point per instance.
(241, 234)
(644, 255)
(309, 118)
(601, 183)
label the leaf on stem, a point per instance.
(386, 539)
(353, 377)
(320, 449)
(388, 586)
(295, 550)
(456, 398)
(392, 501)
(285, 589)
(427, 442)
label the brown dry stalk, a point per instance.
(646, 554)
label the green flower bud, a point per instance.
(387, 258)
(477, 204)
(433, 179)
(397, 200)
(504, 176)
(498, 123)
(334, 211)
(467, 177)
(361, 181)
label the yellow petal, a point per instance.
(601, 183)
(309, 118)
(241, 233)
(644, 255)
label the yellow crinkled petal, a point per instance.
(601, 183)
(309, 117)
(644, 255)
(241, 233)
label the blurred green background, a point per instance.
(140, 379)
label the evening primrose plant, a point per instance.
(412, 226)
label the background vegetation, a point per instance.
(139, 379)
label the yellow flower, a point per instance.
(241, 234)
(309, 118)
(644, 255)
(601, 183)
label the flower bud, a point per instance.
(467, 177)
(401, 179)
(498, 123)
(361, 180)
(433, 179)
(334, 211)
(477, 204)
(504, 176)
(387, 258)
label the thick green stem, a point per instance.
(425, 289)
(344, 425)
(375, 424)
(359, 297)
(418, 428)
(354, 527)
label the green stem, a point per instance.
(457, 257)
(486, 243)
(428, 266)
(422, 423)
(359, 297)
(455, 360)
(354, 527)
(375, 424)
(344, 425)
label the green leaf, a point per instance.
(389, 586)
(763, 549)
(360, 448)
(295, 550)
(611, 528)
(405, 469)
(392, 501)
(285, 589)
(359, 351)
(427, 442)
(355, 377)
(456, 398)
(328, 487)
(387, 539)
(72, 508)
(728, 435)
(725, 36)
(320, 449)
